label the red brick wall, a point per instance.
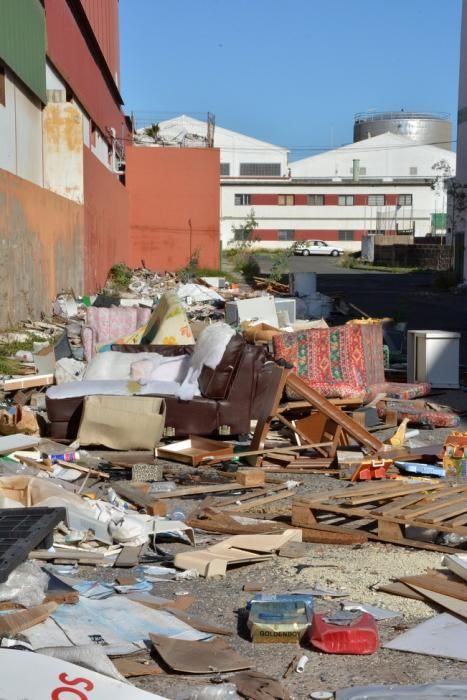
(174, 198)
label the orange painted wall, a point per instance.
(174, 206)
(106, 222)
(41, 244)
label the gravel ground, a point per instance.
(356, 569)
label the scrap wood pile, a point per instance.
(139, 462)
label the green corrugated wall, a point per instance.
(23, 42)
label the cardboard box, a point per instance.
(122, 422)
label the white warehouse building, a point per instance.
(386, 184)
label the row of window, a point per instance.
(289, 235)
(254, 169)
(274, 169)
(347, 200)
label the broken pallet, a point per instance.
(384, 510)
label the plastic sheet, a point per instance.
(25, 585)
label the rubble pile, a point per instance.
(175, 439)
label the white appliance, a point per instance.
(433, 356)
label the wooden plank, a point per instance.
(258, 493)
(440, 500)
(202, 489)
(390, 493)
(400, 589)
(446, 513)
(461, 520)
(438, 584)
(270, 405)
(398, 506)
(350, 426)
(263, 501)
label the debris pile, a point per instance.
(162, 439)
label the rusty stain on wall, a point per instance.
(42, 249)
(63, 150)
(106, 222)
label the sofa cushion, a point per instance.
(215, 383)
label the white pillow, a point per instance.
(158, 368)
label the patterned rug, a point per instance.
(342, 362)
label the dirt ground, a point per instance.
(356, 570)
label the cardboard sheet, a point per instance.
(239, 549)
(214, 656)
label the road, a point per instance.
(411, 297)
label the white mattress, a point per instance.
(110, 387)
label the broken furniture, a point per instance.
(230, 397)
(103, 325)
(433, 356)
(383, 511)
(22, 530)
(419, 412)
(343, 361)
(195, 450)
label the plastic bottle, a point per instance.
(177, 514)
(224, 691)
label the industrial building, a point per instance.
(388, 183)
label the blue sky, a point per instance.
(293, 73)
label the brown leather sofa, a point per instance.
(231, 395)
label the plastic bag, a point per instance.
(25, 585)
(224, 691)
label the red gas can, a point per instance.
(343, 634)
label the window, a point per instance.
(260, 169)
(345, 200)
(376, 200)
(243, 199)
(285, 199)
(346, 235)
(413, 170)
(404, 200)
(239, 234)
(225, 169)
(2, 87)
(285, 235)
(316, 200)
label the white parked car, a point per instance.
(316, 248)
